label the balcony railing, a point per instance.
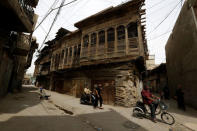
(29, 11)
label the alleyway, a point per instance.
(25, 112)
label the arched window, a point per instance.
(62, 54)
(56, 60)
(75, 51)
(132, 30)
(85, 41)
(110, 35)
(66, 53)
(121, 32)
(70, 52)
(101, 37)
(93, 39)
(79, 50)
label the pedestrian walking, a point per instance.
(180, 98)
(99, 96)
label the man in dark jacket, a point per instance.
(180, 98)
(98, 95)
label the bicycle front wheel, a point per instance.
(167, 118)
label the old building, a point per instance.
(181, 53)
(156, 78)
(109, 48)
(16, 44)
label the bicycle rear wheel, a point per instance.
(167, 118)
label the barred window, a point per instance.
(93, 39)
(110, 35)
(86, 40)
(121, 32)
(132, 30)
(102, 37)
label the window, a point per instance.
(79, 50)
(93, 39)
(75, 51)
(132, 30)
(62, 54)
(66, 52)
(70, 52)
(110, 35)
(85, 41)
(121, 32)
(101, 37)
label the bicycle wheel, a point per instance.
(137, 112)
(167, 118)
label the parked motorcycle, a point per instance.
(87, 99)
(140, 111)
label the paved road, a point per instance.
(25, 112)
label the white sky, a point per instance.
(156, 11)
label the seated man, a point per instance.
(151, 101)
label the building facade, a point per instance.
(181, 53)
(16, 44)
(109, 48)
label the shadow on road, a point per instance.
(44, 123)
(173, 109)
(110, 121)
(27, 98)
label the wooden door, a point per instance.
(78, 86)
(108, 90)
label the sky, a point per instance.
(161, 16)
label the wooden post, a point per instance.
(126, 41)
(106, 44)
(116, 41)
(81, 52)
(89, 45)
(140, 40)
(97, 43)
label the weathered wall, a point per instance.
(6, 67)
(181, 54)
(120, 83)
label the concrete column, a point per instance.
(126, 41)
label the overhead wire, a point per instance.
(164, 18)
(54, 20)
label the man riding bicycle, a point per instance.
(150, 100)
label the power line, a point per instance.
(164, 18)
(54, 20)
(64, 5)
(160, 35)
(156, 4)
(51, 10)
(47, 14)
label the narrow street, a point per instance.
(25, 112)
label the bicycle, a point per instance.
(140, 110)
